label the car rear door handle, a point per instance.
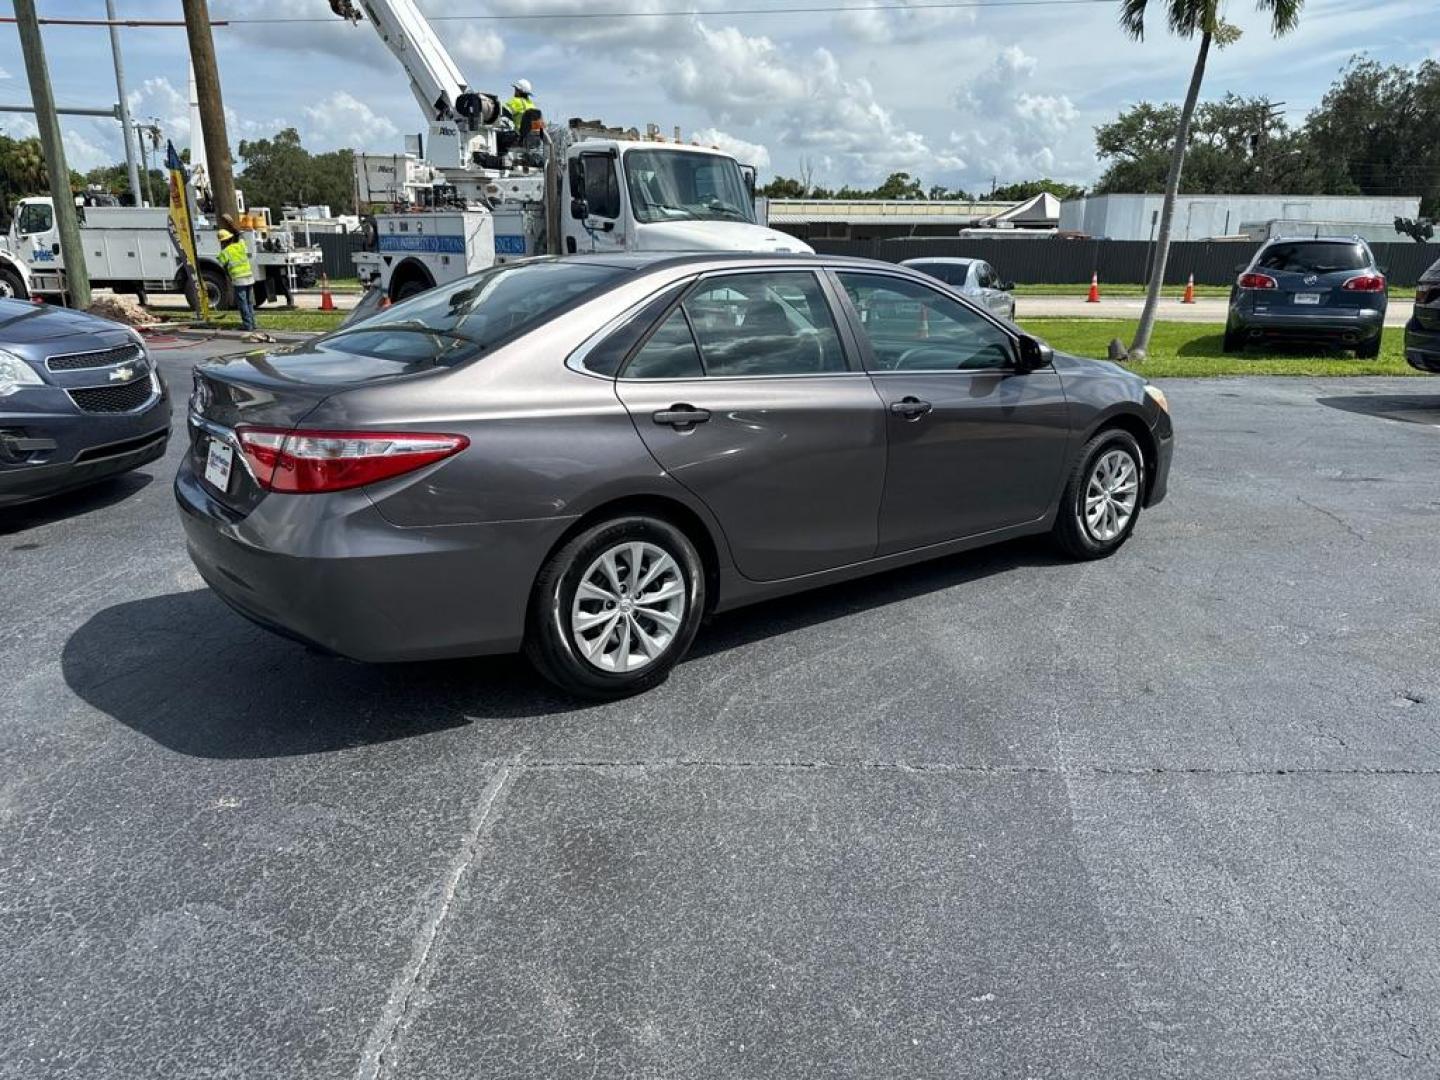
(681, 417)
(910, 408)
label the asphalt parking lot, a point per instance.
(1174, 814)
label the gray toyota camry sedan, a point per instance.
(583, 457)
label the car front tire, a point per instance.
(616, 608)
(1102, 497)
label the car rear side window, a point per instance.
(950, 273)
(669, 354)
(765, 324)
(607, 357)
(1313, 257)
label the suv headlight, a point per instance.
(15, 373)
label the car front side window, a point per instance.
(911, 327)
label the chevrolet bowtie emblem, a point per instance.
(122, 374)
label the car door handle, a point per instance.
(681, 417)
(910, 408)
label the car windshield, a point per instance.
(672, 185)
(954, 273)
(452, 323)
(1314, 257)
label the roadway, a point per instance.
(1173, 814)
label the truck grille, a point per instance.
(120, 354)
(115, 399)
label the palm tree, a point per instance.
(1187, 18)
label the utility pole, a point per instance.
(124, 105)
(144, 162)
(77, 275)
(221, 169)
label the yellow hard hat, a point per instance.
(225, 235)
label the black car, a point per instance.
(1422, 332)
(1326, 290)
(80, 401)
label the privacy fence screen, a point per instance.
(1071, 262)
(337, 249)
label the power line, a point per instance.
(723, 12)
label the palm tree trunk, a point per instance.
(1167, 208)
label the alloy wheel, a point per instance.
(1111, 494)
(628, 606)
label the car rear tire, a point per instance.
(1102, 497)
(616, 607)
(1369, 350)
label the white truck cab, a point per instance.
(611, 195)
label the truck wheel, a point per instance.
(408, 288)
(11, 287)
(217, 289)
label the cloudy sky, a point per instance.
(955, 95)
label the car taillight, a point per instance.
(306, 462)
(1365, 283)
(1256, 281)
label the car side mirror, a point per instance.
(1383, 269)
(579, 208)
(1242, 267)
(1007, 286)
(1034, 354)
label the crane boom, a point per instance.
(435, 80)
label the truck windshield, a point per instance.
(35, 218)
(672, 185)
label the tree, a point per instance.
(1188, 18)
(1028, 189)
(898, 185)
(280, 172)
(1374, 132)
(1237, 146)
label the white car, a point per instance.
(975, 278)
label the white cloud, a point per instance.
(747, 153)
(158, 99)
(4, 74)
(1012, 133)
(483, 48)
(905, 24)
(343, 120)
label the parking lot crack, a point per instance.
(1336, 518)
(376, 1057)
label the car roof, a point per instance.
(656, 260)
(947, 259)
(1316, 240)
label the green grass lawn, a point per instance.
(267, 319)
(1193, 349)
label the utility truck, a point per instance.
(480, 189)
(128, 250)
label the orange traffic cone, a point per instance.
(384, 303)
(327, 302)
(1189, 297)
(1094, 297)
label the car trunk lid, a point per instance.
(275, 390)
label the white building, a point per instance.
(1203, 217)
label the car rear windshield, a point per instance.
(1314, 257)
(453, 323)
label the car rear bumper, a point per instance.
(43, 454)
(1346, 324)
(1422, 347)
(330, 571)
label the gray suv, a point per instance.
(1324, 289)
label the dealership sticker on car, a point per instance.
(1307, 298)
(217, 464)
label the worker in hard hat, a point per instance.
(235, 260)
(521, 103)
